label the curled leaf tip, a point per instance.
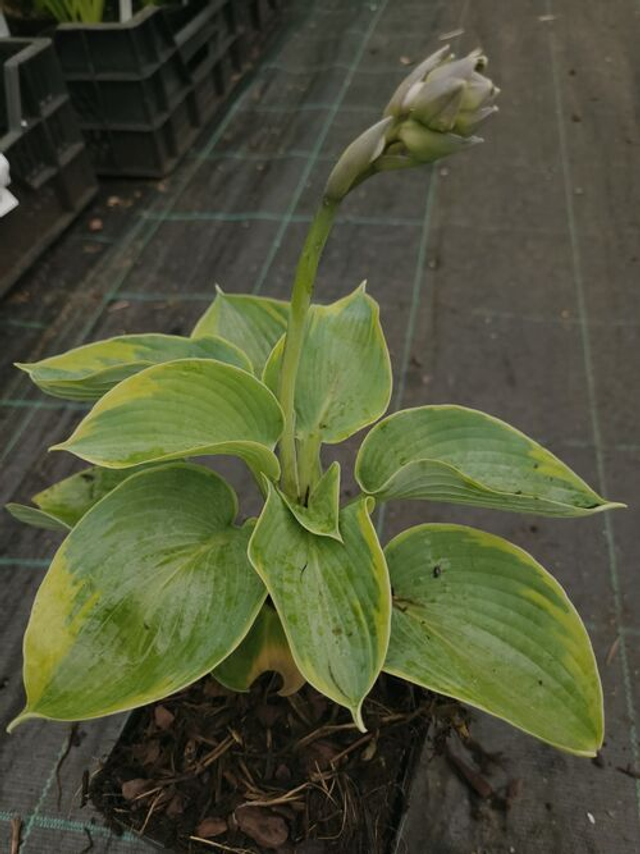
(25, 715)
(358, 720)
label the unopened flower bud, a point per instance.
(434, 112)
(419, 73)
(437, 102)
(443, 95)
(356, 160)
(426, 145)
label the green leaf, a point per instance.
(344, 377)
(69, 499)
(264, 649)
(187, 408)
(478, 619)
(151, 590)
(462, 456)
(333, 598)
(88, 372)
(61, 506)
(321, 515)
(252, 323)
(36, 518)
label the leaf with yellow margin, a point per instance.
(150, 591)
(478, 619)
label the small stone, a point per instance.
(163, 717)
(95, 225)
(210, 827)
(262, 826)
(133, 789)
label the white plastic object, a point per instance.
(7, 200)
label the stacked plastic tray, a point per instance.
(51, 173)
(143, 89)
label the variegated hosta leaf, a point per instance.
(333, 598)
(150, 591)
(187, 408)
(344, 377)
(462, 456)
(478, 619)
(321, 514)
(36, 518)
(252, 323)
(264, 649)
(61, 506)
(88, 372)
(71, 498)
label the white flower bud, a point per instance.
(418, 75)
(357, 158)
(426, 145)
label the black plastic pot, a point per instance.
(51, 174)
(143, 89)
(106, 783)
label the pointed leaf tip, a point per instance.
(333, 598)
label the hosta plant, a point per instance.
(158, 583)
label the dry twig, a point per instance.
(16, 831)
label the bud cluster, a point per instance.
(433, 113)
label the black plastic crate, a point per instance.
(144, 151)
(139, 100)
(134, 84)
(51, 174)
(133, 48)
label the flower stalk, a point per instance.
(300, 301)
(433, 113)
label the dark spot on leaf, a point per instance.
(87, 475)
(437, 571)
(337, 630)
